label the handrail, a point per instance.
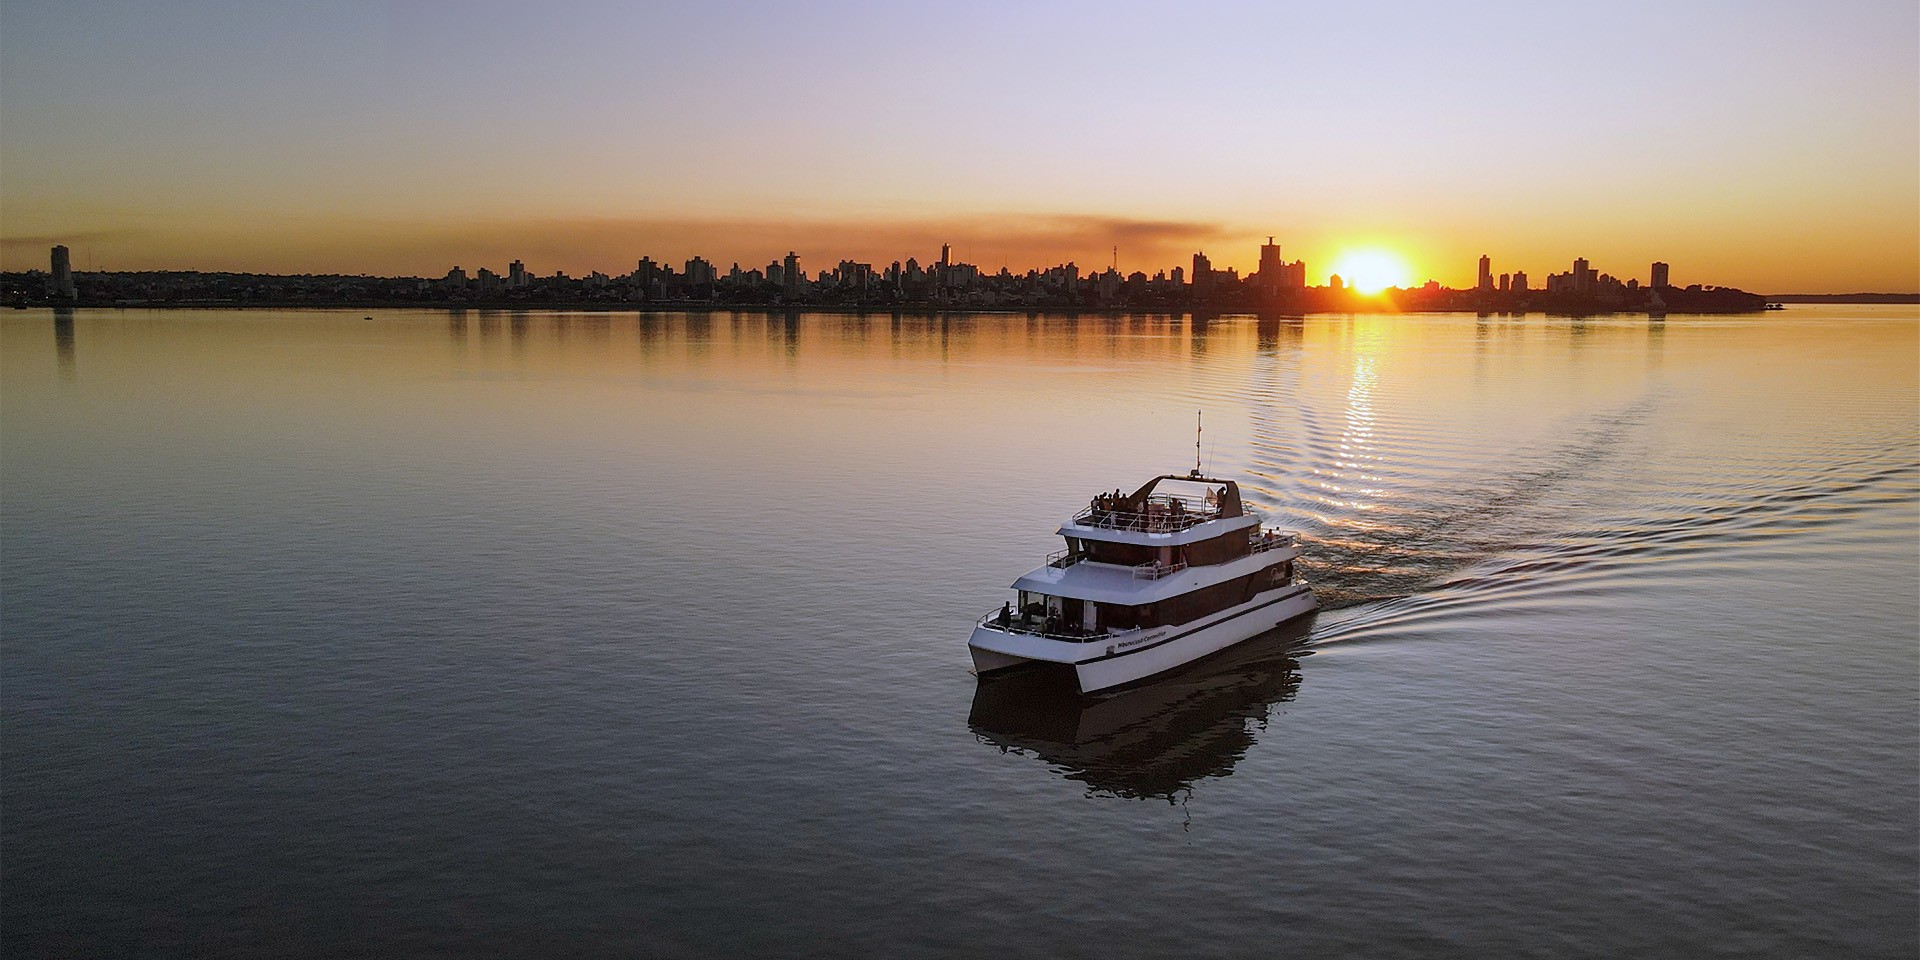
(1270, 538)
(1017, 624)
(1176, 513)
(1154, 569)
(1064, 558)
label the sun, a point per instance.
(1371, 270)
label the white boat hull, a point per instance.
(1137, 654)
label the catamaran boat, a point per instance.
(1175, 571)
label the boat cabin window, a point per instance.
(1029, 601)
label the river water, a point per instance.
(502, 634)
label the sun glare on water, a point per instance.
(1373, 270)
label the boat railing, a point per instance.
(1271, 539)
(1064, 558)
(1037, 627)
(1164, 513)
(1154, 569)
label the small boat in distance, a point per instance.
(1148, 581)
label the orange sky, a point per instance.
(1775, 146)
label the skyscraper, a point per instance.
(1486, 274)
(1270, 263)
(1582, 276)
(790, 273)
(1202, 270)
(63, 275)
(1659, 278)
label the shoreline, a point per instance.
(590, 306)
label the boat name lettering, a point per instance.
(1136, 641)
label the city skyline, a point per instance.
(1274, 273)
(946, 282)
(1771, 147)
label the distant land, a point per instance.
(1844, 297)
(1278, 286)
(1106, 292)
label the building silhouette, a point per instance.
(1270, 262)
(1659, 278)
(63, 275)
(1276, 274)
(1202, 270)
(1485, 283)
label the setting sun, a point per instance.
(1372, 270)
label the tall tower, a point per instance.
(1272, 269)
(1202, 270)
(790, 272)
(63, 275)
(1486, 274)
(1659, 278)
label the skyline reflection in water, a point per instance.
(646, 634)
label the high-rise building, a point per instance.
(1506, 282)
(699, 271)
(516, 274)
(1486, 274)
(646, 273)
(790, 272)
(1582, 276)
(63, 275)
(1202, 270)
(1659, 278)
(1519, 281)
(1270, 263)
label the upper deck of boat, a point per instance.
(1158, 514)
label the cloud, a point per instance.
(48, 241)
(613, 244)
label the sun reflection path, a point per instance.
(1347, 484)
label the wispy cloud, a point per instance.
(613, 244)
(47, 241)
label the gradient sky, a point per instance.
(1765, 144)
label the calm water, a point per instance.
(526, 633)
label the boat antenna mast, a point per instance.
(1196, 445)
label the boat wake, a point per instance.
(1408, 520)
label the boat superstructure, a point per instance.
(1148, 581)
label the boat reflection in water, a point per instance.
(1154, 740)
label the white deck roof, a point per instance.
(1193, 534)
(1112, 583)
